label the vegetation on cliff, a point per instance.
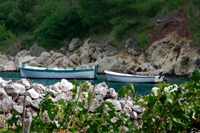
(52, 23)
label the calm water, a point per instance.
(141, 89)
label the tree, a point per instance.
(60, 27)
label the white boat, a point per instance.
(57, 73)
(129, 78)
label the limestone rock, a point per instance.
(20, 87)
(61, 96)
(33, 94)
(35, 103)
(3, 93)
(112, 94)
(6, 105)
(101, 89)
(19, 109)
(12, 90)
(66, 85)
(34, 63)
(20, 100)
(73, 44)
(24, 82)
(56, 55)
(133, 115)
(36, 50)
(137, 108)
(43, 57)
(95, 105)
(9, 66)
(39, 88)
(74, 58)
(127, 109)
(116, 104)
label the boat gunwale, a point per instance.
(56, 70)
(127, 75)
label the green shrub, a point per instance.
(27, 41)
(61, 27)
(6, 38)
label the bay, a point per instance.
(141, 89)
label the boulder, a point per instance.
(20, 100)
(35, 103)
(9, 66)
(6, 105)
(25, 83)
(54, 93)
(39, 88)
(33, 94)
(56, 87)
(99, 97)
(95, 105)
(18, 108)
(21, 87)
(12, 90)
(3, 93)
(66, 85)
(112, 94)
(44, 56)
(34, 63)
(3, 59)
(101, 89)
(125, 102)
(61, 96)
(36, 50)
(126, 109)
(137, 108)
(65, 62)
(73, 44)
(74, 58)
(26, 59)
(116, 104)
(133, 115)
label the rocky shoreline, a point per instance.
(172, 54)
(12, 98)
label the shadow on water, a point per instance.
(141, 89)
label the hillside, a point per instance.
(52, 24)
(127, 35)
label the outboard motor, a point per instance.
(160, 73)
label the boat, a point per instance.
(129, 78)
(58, 73)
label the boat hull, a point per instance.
(127, 78)
(59, 74)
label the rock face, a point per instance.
(172, 54)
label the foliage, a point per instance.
(6, 38)
(74, 116)
(122, 18)
(194, 26)
(95, 14)
(27, 41)
(57, 29)
(143, 41)
(173, 109)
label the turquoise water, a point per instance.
(141, 89)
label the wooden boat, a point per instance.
(57, 73)
(126, 78)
